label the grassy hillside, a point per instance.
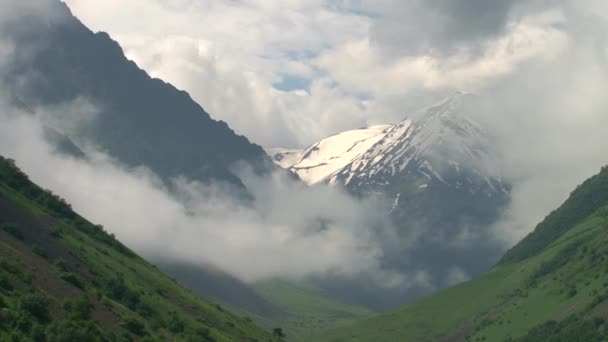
(555, 289)
(583, 201)
(64, 279)
(305, 310)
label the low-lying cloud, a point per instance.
(289, 231)
(550, 119)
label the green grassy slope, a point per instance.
(64, 279)
(583, 201)
(306, 310)
(555, 290)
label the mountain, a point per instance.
(552, 286)
(443, 143)
(322, 161)
(63, 278)
(102, 98)
(438, 174)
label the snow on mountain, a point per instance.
(444, 145)
(321, 160)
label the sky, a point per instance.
(287, 73)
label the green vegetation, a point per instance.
(583, 201)
(12, 230)
(65, 279)
(575, 328)
(554, 288)
(305, 310)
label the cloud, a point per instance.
(291, 73)
(550, 120)
(290, 231)
(232, 55)
(13, 10)
(368, 71)
(436, 27)
(457, 276)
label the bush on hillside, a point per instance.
(37, 305)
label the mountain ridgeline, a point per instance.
(552, 286)
(139, 120)
(63, 278)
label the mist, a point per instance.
(550, 122)
(289, 231)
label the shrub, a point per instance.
(5, 284)
(8, 266)
(72, 279)
(134, 326)
(78, 309)
(144, 310)
(203, 332)
(71, 330)
(60, 265)
(56, 232)
(117, 289)
(37, 305)
(36, 248)
(12, 229)
(175, 324)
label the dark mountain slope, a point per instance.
(555, 289)
(141, 120)
(64, 279)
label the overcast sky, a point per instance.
(289, 72)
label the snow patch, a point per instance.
(326, 158)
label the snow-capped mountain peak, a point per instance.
(321, 160)
(443, 142)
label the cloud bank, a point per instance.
(290, 231)
(290, 73)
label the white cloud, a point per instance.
(290, 231)
(456, 276)
(369, 71)
(230, 56)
